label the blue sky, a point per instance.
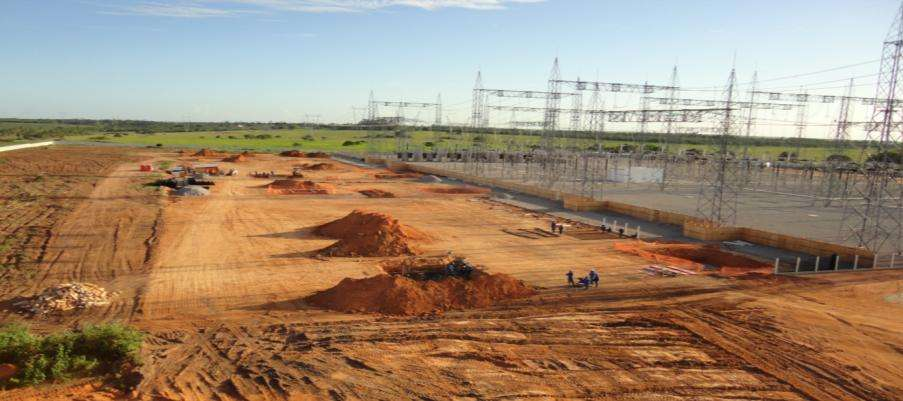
(282, 60)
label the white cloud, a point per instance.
(226, 8)
(170, 10)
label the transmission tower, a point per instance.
(833, 186)
(552, 102)
(800, 123)
(751, 115)
(372, 111)
(717, 202)
(876, 221)
(596, 121)
(438, 120)
(664, 140)
(476, 116)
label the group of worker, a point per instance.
(609, 229)
(558, 227)
(590, 279)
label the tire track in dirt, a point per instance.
(100, 240)
(803, 369)
(623, 355)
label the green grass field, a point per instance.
(381, 141)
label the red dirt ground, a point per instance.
(298, 187)
(457, 190)
(363, 233)
(208, 153)
(236, 158)
(292, 153)
(399, 295)
(695, 257)
(317, 166)
(376, 193)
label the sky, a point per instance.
(299, 60)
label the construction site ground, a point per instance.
(791, 211)
(218, 282)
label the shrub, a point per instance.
(91, 350)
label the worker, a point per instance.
(570, 275)
(553, 227)
(560, 229)
(594, 277)
(621, 232)
(584, 282)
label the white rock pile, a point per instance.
(64, 297)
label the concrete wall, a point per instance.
(25, 146)
(693, 227)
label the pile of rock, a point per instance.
(64, 297)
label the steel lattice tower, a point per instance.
(371, 108)
(439, 109)
(717, 202)
(476, 116)
(832, 184)
(875, 221)
(751, 114)
(553, 107)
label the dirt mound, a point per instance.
(399, 295)
(317, 166)
(292, 153)
(241, 157)
(64, 297)
(208, 153)
(457, 190)
(298, 187)
(363, 233)
(318, 155)
(698, 257)
(376, 193)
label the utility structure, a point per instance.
(482, 105)
(874, 218)
(835, 169)
(374, 105)
(717, 201)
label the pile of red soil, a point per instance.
(208, 153)
(299, 187)
(376, 193)
(317, 166)
(695, 257)
(399, 295)
(292, 153)
(396, 175)
(457, 190)
(236, 158)
(369, 234)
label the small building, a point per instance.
(207, 168)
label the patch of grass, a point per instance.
(90, 350)
(307, 139)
